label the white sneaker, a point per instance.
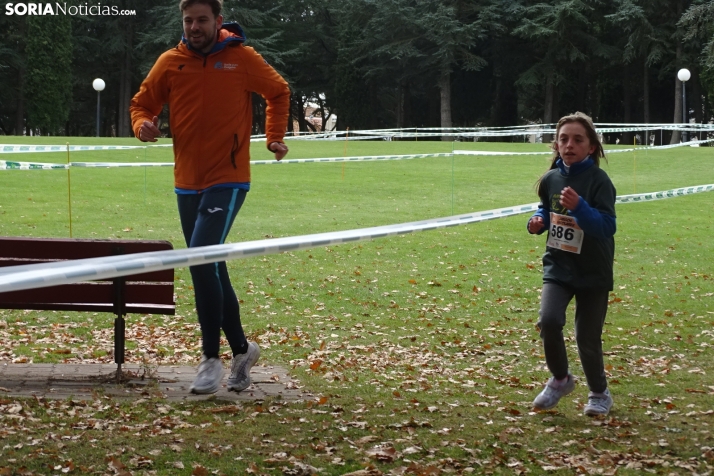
(240, 368)
(599, 403)
(210, 374)
(552, 393)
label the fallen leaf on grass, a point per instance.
(199, 470)
(227, 409)
(694, 390)
(300, 469)
(385, 454)
(365, 472)
(366, 439)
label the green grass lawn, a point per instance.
(422, 348)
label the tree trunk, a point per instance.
(676, 135)
(445, 92)
(646, 92)
(400, 106)
(20, 115)
(626, 103)
(695, 96)
(298, 101)
(548, 106)
(323, 116)
(594, 96)
(124, 120)
(646, 101)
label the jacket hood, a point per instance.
(230, 33)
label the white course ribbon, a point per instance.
(607, 151)
(364, 158)
(389, 134)
(15, 278)
(26, 149)
(677, 192)
(7, 165)
(120, 164)
(34, 149)
(10, 165)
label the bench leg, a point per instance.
(119, 336)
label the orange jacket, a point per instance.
(210, 108)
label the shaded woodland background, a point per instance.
(382, 63)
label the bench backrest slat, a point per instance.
(56, 249)
(164, 310)
(93, 293)
(151, 292)
(163, 275)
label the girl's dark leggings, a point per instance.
(590, 311)
(206, 219)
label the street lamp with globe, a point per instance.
(683, 75)
(98, 85)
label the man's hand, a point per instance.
(569, 198)
(149, 131)
(535, 225)
(279, 149)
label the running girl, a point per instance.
(577, 209)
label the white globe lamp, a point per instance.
(98, 85)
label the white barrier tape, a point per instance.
(492, 132)
(41, 166)
(34, 149)
(677, 192)
(384, 133)
(24, 149)
(9, 165)
(607, 151)
(17, 278)
(494, 152)
(667, 146)
(120, 164)
(339, 138)
(351, 159)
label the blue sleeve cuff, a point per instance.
(593, 222)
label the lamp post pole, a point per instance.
(683, 75)
(98, 85)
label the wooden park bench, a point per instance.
(148, 293)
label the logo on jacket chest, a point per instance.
(225, 66)
(556, 206)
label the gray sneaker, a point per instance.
(210, 374)
(599, 403)
(240, 368)
(551, 395)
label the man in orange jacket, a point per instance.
(207, 81)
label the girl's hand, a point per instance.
(569, 198)
(535, 225)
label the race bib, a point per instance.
(564, 233)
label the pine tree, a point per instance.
(49, 72)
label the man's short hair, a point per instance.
(216, 5)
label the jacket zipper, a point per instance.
(235, 136)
